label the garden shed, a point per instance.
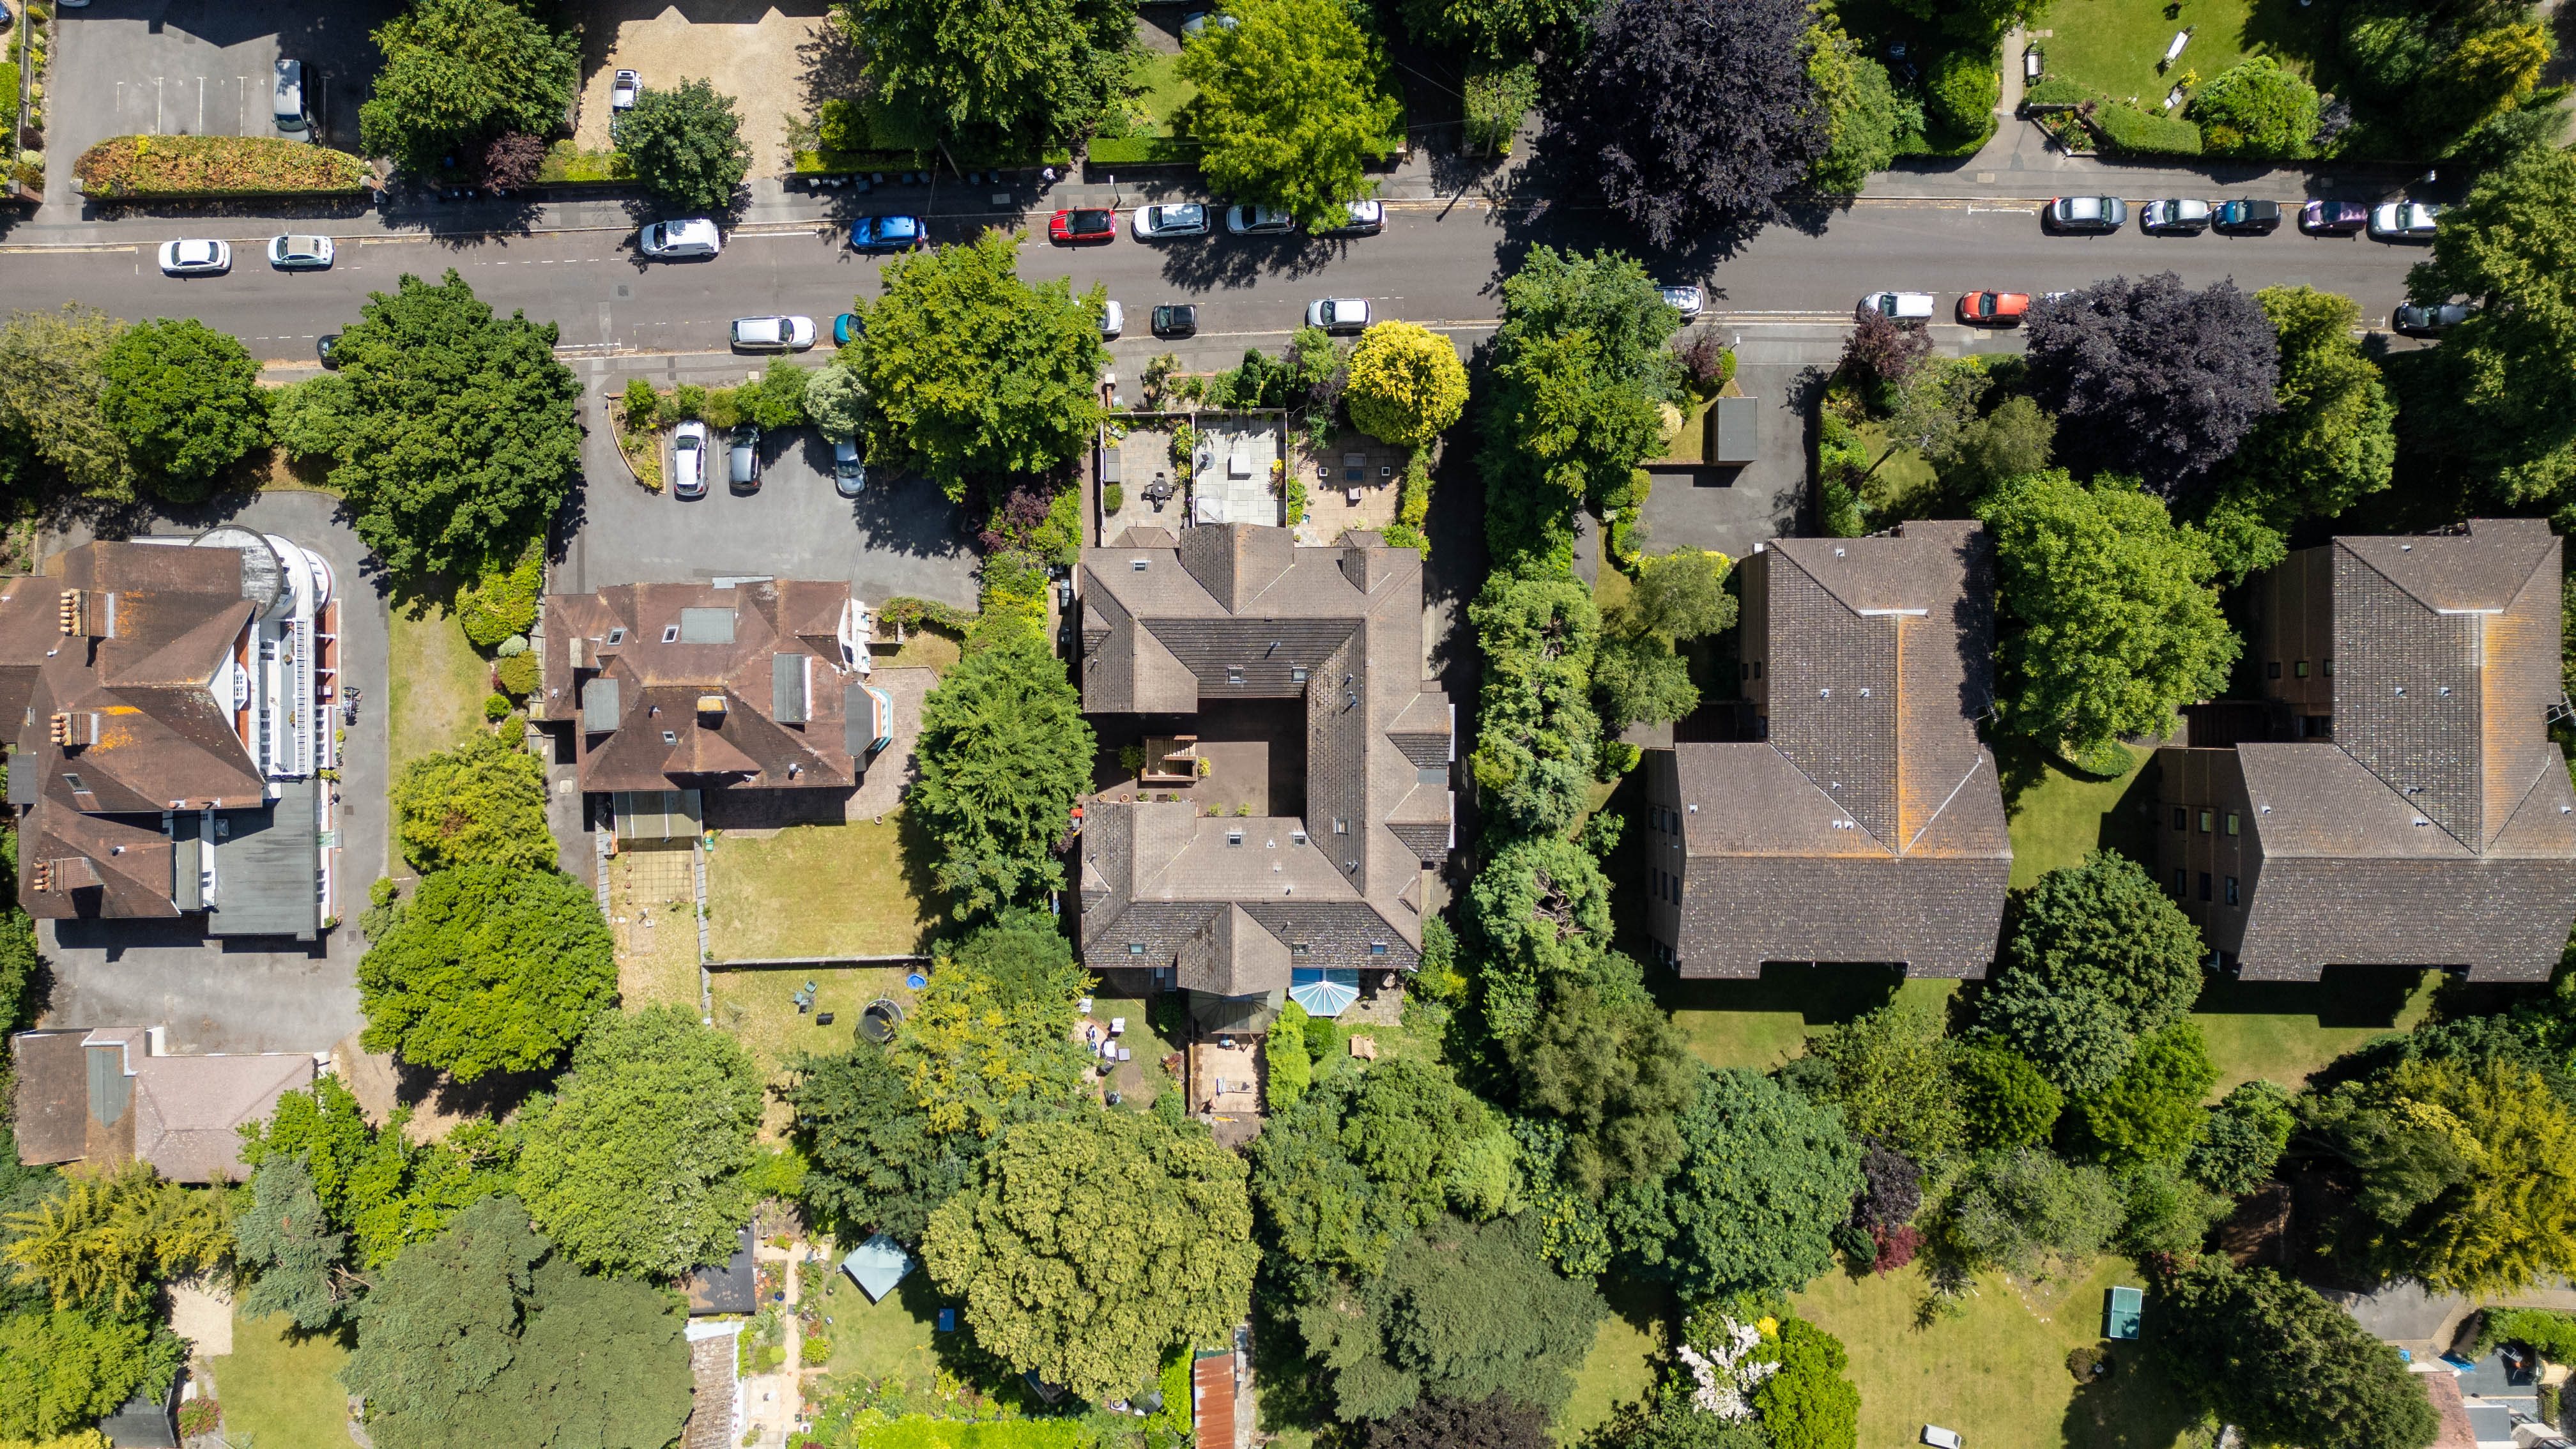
(1734, 430)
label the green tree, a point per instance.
(778, 399)
(1289, 1071)
(2097, 955)
(1091, 1244)
(1681, 596)
(991, 1039)
(1004, 750)
(2113, 620)
(374, 1183)
(641, 1162)
(104, 1241)
(998, 73)
(1537, 741)
(2332, 443)
(2269, 1355)
(2007, 1101)
(459, 72)
(1977, 20)
(1891, 1074)
(1562, 417)
(2016, 438)
(1406, 384)
(1366, 1159)
(1861, 105)
(2244, 1138)
(2162, 1210)
(836, 401)
(456, 432)
(285, 1239)
(186, 400)
(52, 380)
(2151, 1111)
(1493, 30)
(1543, 907)
(1607, 1062)
(1641, 680)
(69, 1367)
(970, 372)
(1463, 1311)
(1293, 102)
(1764, 1176)
(482, 803)
(1495, 1422)
(488, 968)
(1807, 1403)
(485, 1335)
(686, 144)
(874, 1162)
(2256, 107)
(2028, 1213)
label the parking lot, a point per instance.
(200, 68)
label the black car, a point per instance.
(1176, 319)
(2412, 320)
(2247, 217)
(325, 347)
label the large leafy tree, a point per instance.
(2154, 380)
(1498, 1421)
(2097, 956)
(455, 433)
(2151, 1112)
(642, 1161)
(1535, 749)
(2331, 443)
(2008, 1101)
(1543, 907)
(2257, 107)
(1860, 104)
(970, 372)
(459, 72)
(2112, 623)
(2269, 1354)
(488, 968)
(300, 1262)
(69, 1367)
(1092, 1244)
(1004, 750)
(485, 1335)
(1293, 102)
(104, 1242)
(2244, 1138)
(1406, 384)
(1639, 673)
(874, 1162)
(998, 71)
(2026, 1212)
(482, 803)
(1764, 1178)
(1697, 113)
(1367, 1158)
(991, 1041)
(373, 1182)
(1890, 1072)
(686, 144)
(51, 384)
(186, 400)
(1607, 1062)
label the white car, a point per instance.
(669, 240)
(185, 258)
(622, 90)
(1689, 301)
(773, 334)
(1903, 306)
(1113, 320)
(1153, 223)
(1258, 221)
(300, 253)
(1368, 218)
(1339, 314)
(689, 460)
(2403, 221)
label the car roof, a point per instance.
(2082, 205)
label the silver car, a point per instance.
(2087, 213)
(2404, 221)
(689, 459)
(1368, 218)
(1689, 301)
(300, 253)
(1113, 320)
(191, 258)
(1259, 221)
(1153, 223)
(849, 470)
(773, 334)
(2175, 214)
(1339, 314)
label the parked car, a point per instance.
(742, 459)
(1258, 221)
(849, 470)
(2247, 216)
(1196, 23)
(1993, 309)
(2416, 320)
(2179, 216)
(325, 346)
(1689, 301)
(300, 253)
(1368, 218)
(1903, 306)
(287, 99)
(886, 233)
(1089, 224)
(1176, 319)
(2086, 213)
(191, 258)
(689, 460)
(695, 236)
(1153, 223)
(2333, 218)
(846, 329)
(623, 88)
(1339, 314)
(1113, 320)
(2410, 221)
(773, 334)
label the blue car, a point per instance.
(886, 233)
(845, 329)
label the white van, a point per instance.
(289, 99)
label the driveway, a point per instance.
(756, 51)
(201, 68)
(1732, 509)
(901, 537)
(248, 995)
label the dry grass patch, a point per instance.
(818, 890)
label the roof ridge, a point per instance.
(2417, 810)
(1934, 818)
(1844, 811)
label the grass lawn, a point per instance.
(2285, 1030)
(2057, 818)
(1896, 484)
(1997, 1374)
(818, 890)
(1764, 1022)
(1138, 1081)
(756, 1006)
(922, 649)
(282, 1393)
(2112, 46)
(656, 963)
(439, 684)
(1621, 1367)
(1158, 75)
(881, 1342)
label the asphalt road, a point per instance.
(1436, 263)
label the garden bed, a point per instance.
(22, 91)
(140, 168)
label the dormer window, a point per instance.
(1296, 948)
(1234, 674)
(670, 737)
(1234, 837)
(670, 633)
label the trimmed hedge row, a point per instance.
(2134, 132)
(133, 167)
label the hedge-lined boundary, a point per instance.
(135, 168)
(2120, 129)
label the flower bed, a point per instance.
(124, 168)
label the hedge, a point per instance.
(1144, 150)
(127, 167)
(2142, 133)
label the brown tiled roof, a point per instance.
(728, 648)
(52, 1109)
(712, 1387)
(182, 1114)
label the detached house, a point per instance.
(2393, 797)
(1294, 789)
(1856, 818)
(171, 701)
(111, 1096)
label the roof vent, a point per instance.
(1824, 693)
(2420, 820)
(1838, 553)
(2408, 548)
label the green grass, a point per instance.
(2058, 818)
(758, 1009)
(1764, 1022)
(1997, 1373)
(1158, 76)
(1625, 1352)
(438, 685)
(279, 1392)
(886, 1343)
(1902, 485)
(819, 890)
(2112, 46)
(2284, 1030)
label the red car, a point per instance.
(1993, 309)
(1082, 226)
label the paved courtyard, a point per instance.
(752, 50)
